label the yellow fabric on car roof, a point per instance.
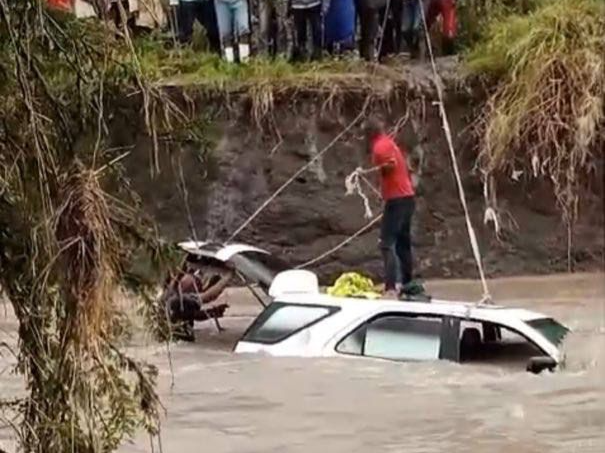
(352, 284)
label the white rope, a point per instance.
(448, 136)
(334, 249)
(358, 175)
(352, 186)
(296, 175)
(303, 168)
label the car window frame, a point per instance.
(443, 336)
(514, 330)
(276, 305)
(444, 317)
(521, 334)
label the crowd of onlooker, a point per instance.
(300, 29)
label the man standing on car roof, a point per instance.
(398, 196)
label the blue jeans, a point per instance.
(232, 17)
(396, 241)
(412, 18)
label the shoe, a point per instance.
(229, 54)
(244, 53)
(412, 288)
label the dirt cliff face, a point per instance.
(244, 166)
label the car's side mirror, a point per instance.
(538, 364)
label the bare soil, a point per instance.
(244, 164)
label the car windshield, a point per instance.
(551, 329)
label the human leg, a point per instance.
(187, 14)
(241, 23)
(415, 27)
(207, 18)
(369, 29)
(265, 14)
(224, 21)
(284, 35)
(225, 28)
(388, 240)
(300, 27)
(448, 16)
(182, 310)
(403, 247)
(385, 39)
(397, 17)
(314, 17)
(240, 18)
(432, 11)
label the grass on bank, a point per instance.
(546, 115)
(474, 16)
(186, 65)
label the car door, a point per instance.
(403, 337)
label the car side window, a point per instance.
(495, 344)
(395, 337)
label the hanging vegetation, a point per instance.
(546, 117)
(65, 243)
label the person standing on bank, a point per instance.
(398, 196)
(369, 23)
(308, 14)
(202, 11)
(234, 28)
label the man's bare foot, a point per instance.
(391, 294)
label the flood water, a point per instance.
(220, 402)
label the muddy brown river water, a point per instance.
(223, 403)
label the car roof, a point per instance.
(436, 306)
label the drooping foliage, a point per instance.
(546, 117)
(66, 239)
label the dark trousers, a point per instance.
(393, 36)
(115, 13)
(396, 241)
(369, 24)
(303, 18)
(205, 14)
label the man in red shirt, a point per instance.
(398, 196)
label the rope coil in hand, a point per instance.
(353, 185)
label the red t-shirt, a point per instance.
(396, 183)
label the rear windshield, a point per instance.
(551, 329)
(279, 321)
(259, 267)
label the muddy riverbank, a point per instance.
(242, 162)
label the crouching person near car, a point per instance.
(188, 296)
(234, 27)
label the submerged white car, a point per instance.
(301, 321)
